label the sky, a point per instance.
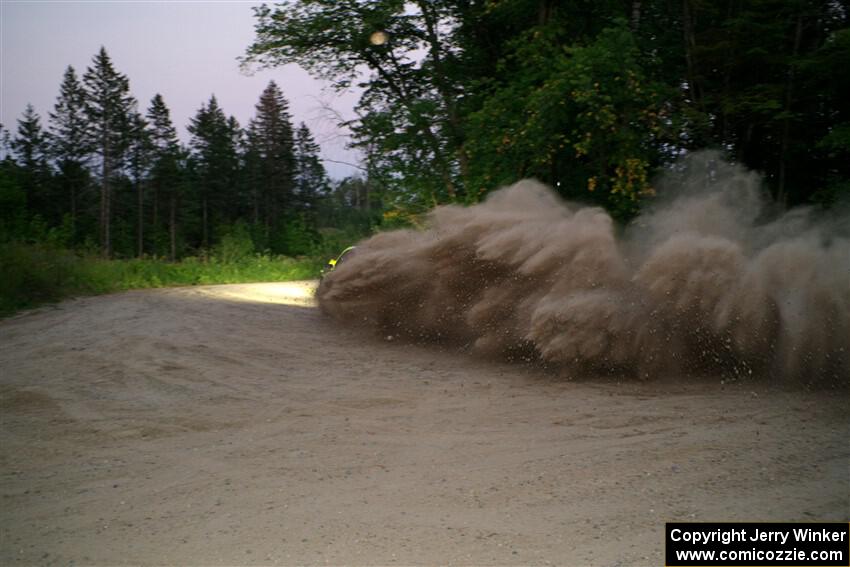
(184, 50)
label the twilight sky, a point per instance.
(185, 50)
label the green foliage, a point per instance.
(297, 238)
(310, 179)
(109, 109)
(30, 144)
(13, 200)
(214, 150)
(31, 150)
(767, 82)
(34, 274)
(585, 119)
(236, 244)
(270, 165)
(837, 140)
(400, 218)
(167, 178)
(61, 236)
(410, 126)
(463, 97)
(68, 123)
(332, 241)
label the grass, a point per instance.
(35, 274)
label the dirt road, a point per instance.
(237, 425)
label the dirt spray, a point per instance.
(709, 279)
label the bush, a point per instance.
(34, 274)
(236, 245)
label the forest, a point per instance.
(593, 98)
(458, 99)
(104, 175)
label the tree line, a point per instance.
(459, 98)
(592, 97)
(103, 174)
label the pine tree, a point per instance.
(139, 161)
(270, 140)
(214, 151)
(109, 107)
(311, 180)
(30, 148)
(165, 174)
(30, 144)
(69, 143)
(13, 200)
(251, 174)
(5, 142)
(237, 198)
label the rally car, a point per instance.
(334, 262)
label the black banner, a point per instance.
(758, 544)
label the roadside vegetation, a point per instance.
(35, 274)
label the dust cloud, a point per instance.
(711, 280)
